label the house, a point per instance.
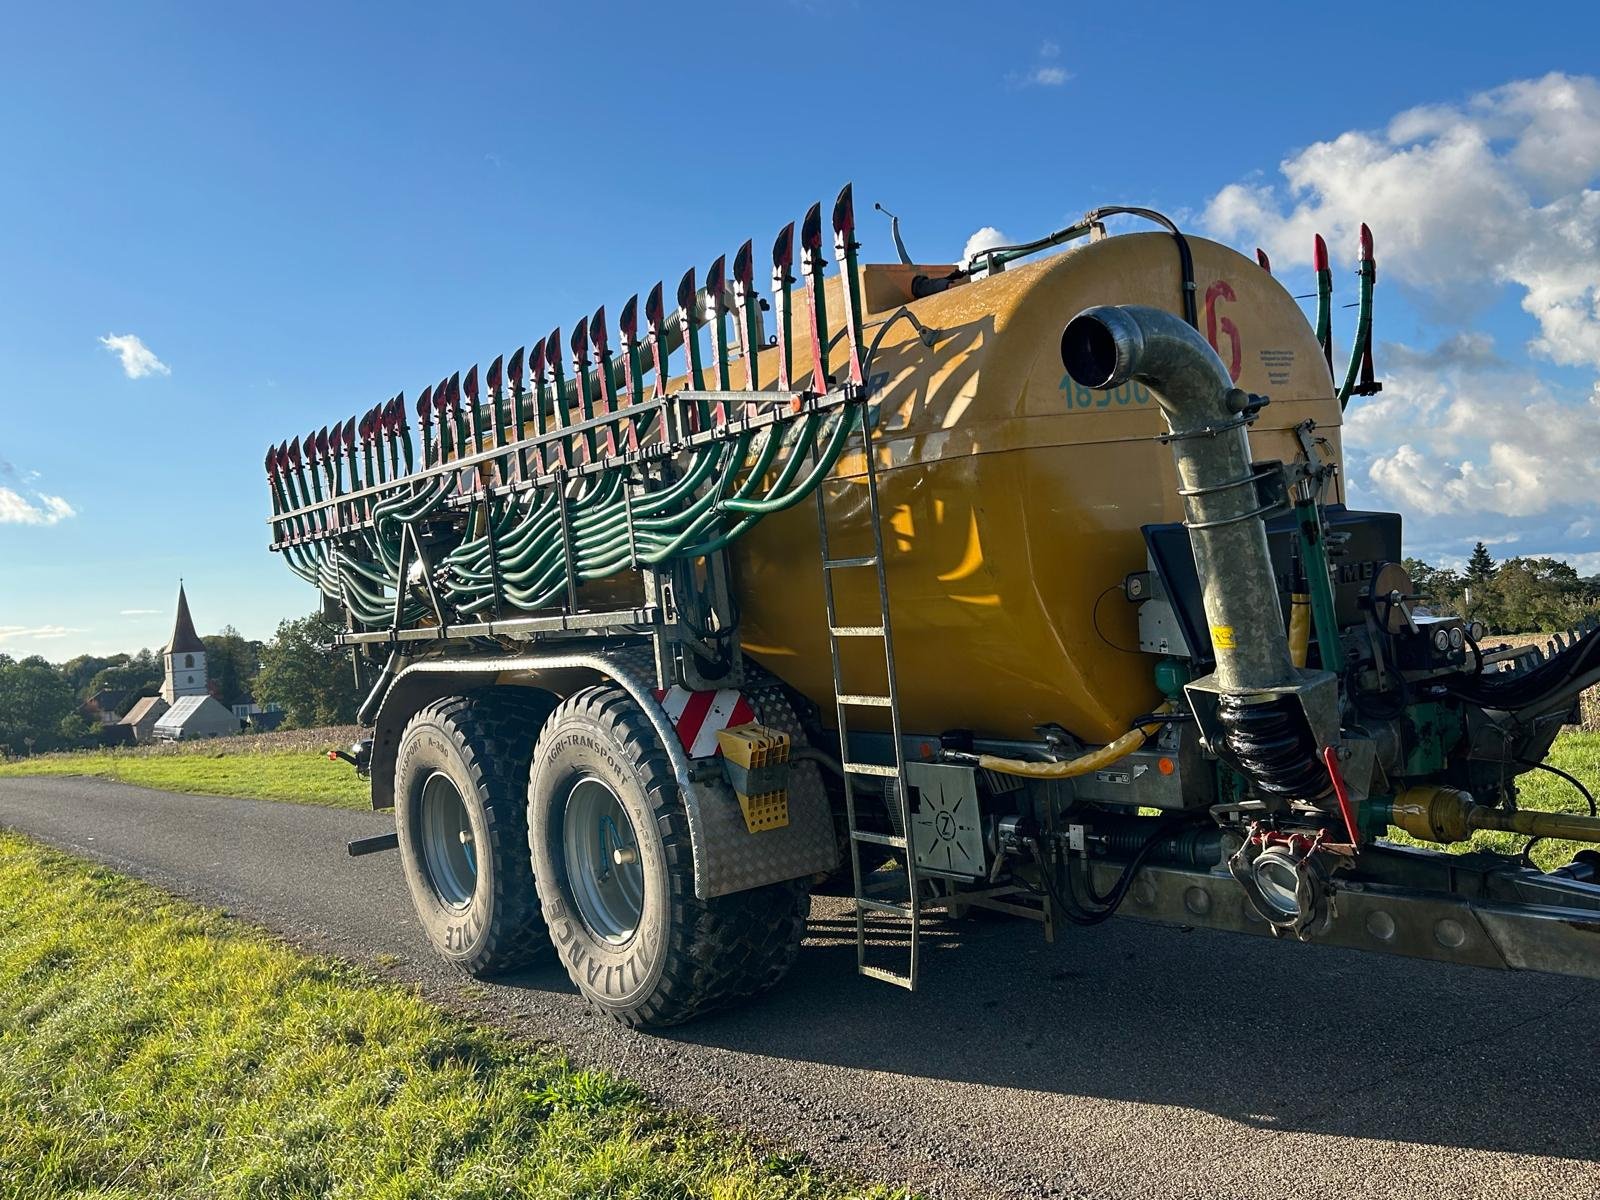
(195, 717)
(105, 706)
(142, 717)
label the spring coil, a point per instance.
(1272, 744)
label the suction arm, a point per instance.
(1207, 416)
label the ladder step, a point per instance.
(856, 630)
(879, 839)
(864, 560)
(872, 769)
(883, 974)
(884, 906)
(864, 701)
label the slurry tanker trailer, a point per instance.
(1025, 583)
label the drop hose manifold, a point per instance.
(1265, 730)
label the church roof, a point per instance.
(196, 714)
(184, 639)
(142, 709)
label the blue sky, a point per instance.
(301, 210)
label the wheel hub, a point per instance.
(603, 864)
(448, 852)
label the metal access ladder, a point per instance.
(894, 776)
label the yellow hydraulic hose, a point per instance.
(1299, 628)
(1073, 767)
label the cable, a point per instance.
(1112, 900)
(1572, 779)
(1094, 619)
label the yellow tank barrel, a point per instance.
(1444, 814)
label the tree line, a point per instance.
(42, 704)
(1517, 595)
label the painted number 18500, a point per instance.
(1079, 397)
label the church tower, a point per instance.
(185, 657)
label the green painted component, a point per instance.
(1430, 732)
(1368, 274)
(1171, 674)
(1374, 814)
(558, 384)
(1325, 315)
(1324, 616)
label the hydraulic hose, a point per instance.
(1071, 768)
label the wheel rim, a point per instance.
(603, 866)
(448, 851)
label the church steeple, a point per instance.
(185, 656)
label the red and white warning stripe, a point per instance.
(698, 716)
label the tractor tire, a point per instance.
(461, 777)
(611, 857)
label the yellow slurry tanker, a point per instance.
(1024, 583)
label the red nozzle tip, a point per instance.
(552, 348)
(333, 756)
(272, 460)
(294, 453)
(1319, 253)
(514, 368)
(654, 313)
(744, 267)
(580, 340)
(628, 319)
(496, 369)
(470, 387)
(322, 441)
(717, 275)
(783, 248)
(844, 210)
(536, 362)
(350, 434)
(811, 228)
(425, 406)
(1366, 243)
(686, 291)
(1261, 257)
(453, 392)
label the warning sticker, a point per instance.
(1222, 637)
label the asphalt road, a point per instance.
(1124, 1061)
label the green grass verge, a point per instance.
(1578, 754)
(151, 1048)
(296, 775)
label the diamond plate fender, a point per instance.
(727, 856)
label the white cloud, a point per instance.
(986, 238)
(1465, 200)
(1500, 190)
(37, 508)
(138, 360)
(139, 612)
(1044, 72)
(39, 632)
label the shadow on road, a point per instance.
(1273, 1035)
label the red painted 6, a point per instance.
(1223, 290)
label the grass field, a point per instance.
(150, 1048)
(300, 775)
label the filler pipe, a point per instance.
(1207, 417)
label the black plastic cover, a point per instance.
(1374, 539)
